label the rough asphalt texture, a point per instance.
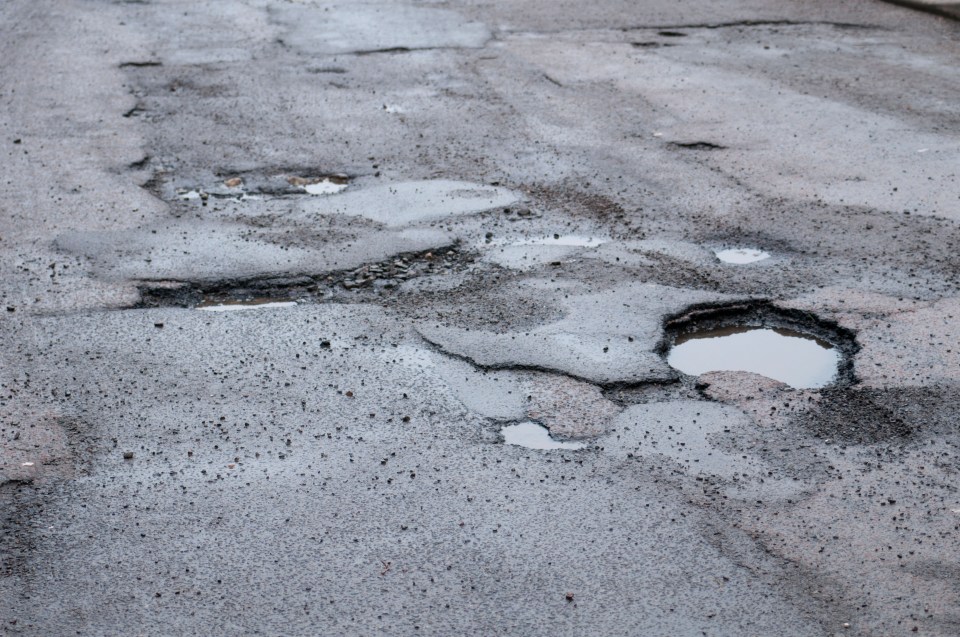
(337, 467)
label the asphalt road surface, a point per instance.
(440, 225)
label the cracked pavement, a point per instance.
(461, 216)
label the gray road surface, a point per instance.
(472, 215)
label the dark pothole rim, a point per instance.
(762, 313)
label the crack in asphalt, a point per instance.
(529, 367)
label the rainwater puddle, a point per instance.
(534, 436)
(330, 185)
(799, 360)
(741, 255)
(248, 304)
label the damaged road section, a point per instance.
(608, 338)
(369, 281)
(210, 252)
(787, 345)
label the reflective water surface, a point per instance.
(246, 304)
(741, 255)
(799, 360)
(534, 436)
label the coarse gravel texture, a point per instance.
(524, 199)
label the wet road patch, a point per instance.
(534, 436)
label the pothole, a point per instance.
(797, 359)
(257, 184)
(534, 436)
(211, 305)
(741, 256)
(328, 185)
(365, 283)
(794, 348)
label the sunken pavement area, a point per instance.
(514, 317)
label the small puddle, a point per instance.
(534, 436)
(741, 255)
(330, 185)
(799, 360)
(247, 304)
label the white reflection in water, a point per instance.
(534, 436)
(799, 360)
(234, 306)
(741, 255)
(324, 187)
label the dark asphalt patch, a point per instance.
(857, 415)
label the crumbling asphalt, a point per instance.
(523, 201)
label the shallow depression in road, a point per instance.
(740, 256)
(534, 436)
(799, 360)
(329, 185)
(247, 304)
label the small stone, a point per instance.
(128, 455)
(233, 182)
(569, 597)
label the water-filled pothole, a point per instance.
(534, 436)
(792, 347)
(327, 185)
(797, 359)
(741, 256)
(245, 304)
